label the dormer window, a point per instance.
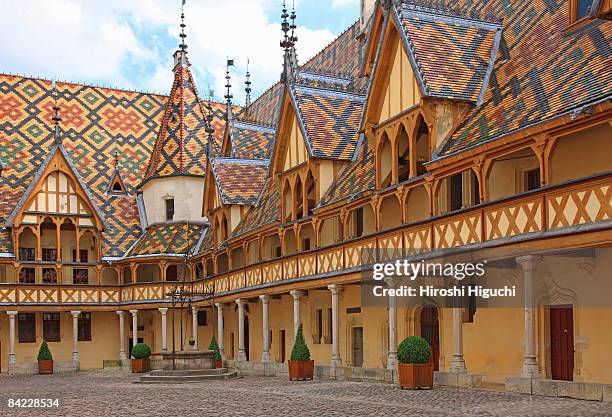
(169, 209)
(579, 9)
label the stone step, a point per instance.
(188, 372)
(185, 379)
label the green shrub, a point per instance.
(141, 351)
(300, 351)
(413, 349)
(214, 346)
(44, 354)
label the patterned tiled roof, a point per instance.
(239, 181)
(330, 118)
(265, 109)
(356, 178)
(453, 54)
(265, 213)
(541, 71)
(96, 122)
(178, 238)
(251, 140)
(181, 144)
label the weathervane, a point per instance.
(228, 86)
(247, 88)
(56, 115)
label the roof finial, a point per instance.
(288, 42)
(180, 56)
(247, 87)
(56, 115)
(228, 86)
(116, 160)
(210, 130)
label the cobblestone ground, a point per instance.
(114, 394)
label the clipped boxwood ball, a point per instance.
(141, 351)
(413, 349)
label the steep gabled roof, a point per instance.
(55, 149)
(542, 71)
(251, 140)
(328, 109)
(265, 213)
(181, 144)
(452, 55)
(239, 181)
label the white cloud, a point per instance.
(111, 41)
(343, 3)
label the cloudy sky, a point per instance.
(129, 43)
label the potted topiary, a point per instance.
(217, 353)
(45, 360)
(300, 365)
(415, 370)
(140, 358)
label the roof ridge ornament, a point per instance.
(57, 118)
(228, 94)
(247, 88)
(180, 56)
(290, 63)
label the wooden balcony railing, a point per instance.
(555, 207)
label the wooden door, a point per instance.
(358, 346)
(246, 336)
(430, 332)
(562, 342)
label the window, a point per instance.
(456, 192)
(202, 318)
(277, 252)
(532, 179)
(80, 276)
(83, 255)
(306, 244)
(49, 276)
(172, 273)
(27, 275)
(358, 222)
(26, 254)
(27, 327)
(319, 333)
(475, 189)
(330, 333)
(84, 327)
(51, 327)
(49, 255)
(579, 9)
(169, 209)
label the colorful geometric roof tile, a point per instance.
(96, 122)
(251, 140)
(171, 238)
(239, 181)
(542, 71)
(265, 213)
(355, 179)
(330, 119)
(452, 55)
(181, 144)
(264, 110)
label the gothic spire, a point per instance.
(247, 87)
(56, 116)
(228, 93)
(288, 43)
(180, 56)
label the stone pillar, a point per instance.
(531, 368)
(194, 326)
(241, 350)
(12, 361)
(335, 293)
(220, 327)
(265, 349)
(164, 328)
(458, 363)
(76, 364)
(392, 353)
(134, 327)
(296, 310)
(122, 355)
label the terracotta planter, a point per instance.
(140, 366)
(415, 375)
(301, 370)
(218, 364)
(45, 367)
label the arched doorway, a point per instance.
(430, 331)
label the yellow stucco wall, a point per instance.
(187, 192)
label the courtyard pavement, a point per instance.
(114, 394)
